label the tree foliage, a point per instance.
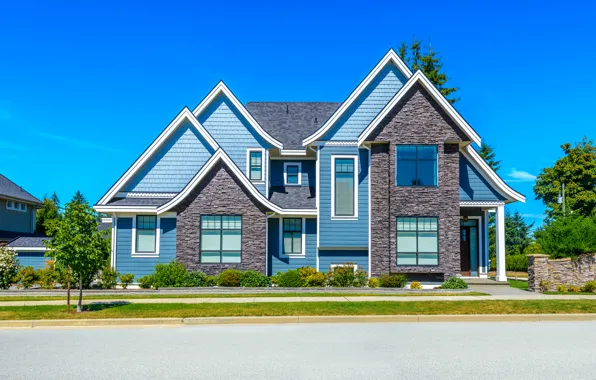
(8, 267)
(577, 170)
(568, 236)
(487, 152)
(427, 60)
(518, 234)
(49, 215)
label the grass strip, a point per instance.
(570, 294)
(245, 295)
(523, 285)
(301, 309)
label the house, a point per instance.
(17, 224)
(387, 179)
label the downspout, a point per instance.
(369, 215)
(267, 243)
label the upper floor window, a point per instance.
(16, 206)
(146, 233)
(417, 241)
(221, 239)
(292, 173)
(292, 236)
(255, 164)
(416, 165)
(344, 201)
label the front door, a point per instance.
(464, 247)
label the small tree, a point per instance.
(8, 267)
(78, 244)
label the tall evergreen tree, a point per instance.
(48, 215)
(427, 60)
(487, 152)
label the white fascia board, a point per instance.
(221, 88)
(126, 209)
(390, 57)
(221, 155)
(293, 152)
(28, 249)
(419, 77)
(184, 115)
(478, 162)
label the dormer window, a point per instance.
(255, 164)
(292, 173)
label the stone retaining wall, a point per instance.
(560, 271)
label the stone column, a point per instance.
(537, 271)
(500, 220)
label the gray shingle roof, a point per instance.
(291, 122)
(298, 197)
(139, 201)
(12, 190)
(28, 242)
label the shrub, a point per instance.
(454, 283)
(342, 275)
(516, 263)
(47, 276)
(306, 272)
(210, 281)
(8, 267)
(544, 286)
(290, 279)
(126, 279)
(229, 278)
(146, 282)
(195, 279)
(360, 278)
(62, 277)
(392, 281)
(254, 279)
(315, 280)
(373, 282)
(568, 236)
(589, 287)
(170, 275)
(109, 277)
(415, 285)
(561, 288)
(573, 289)
(275, 278)
(26, 277)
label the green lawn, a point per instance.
(571, 293)
(246, 295)
(301, 309)
(523, 285)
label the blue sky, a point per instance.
(85, 88)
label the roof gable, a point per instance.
(11, 190)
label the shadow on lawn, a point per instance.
(99, 306)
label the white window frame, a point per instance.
(281, 239)
(134, 252)
(286, 164)
(356, 166)
(333, 266)
(16, 206)
(262, 151)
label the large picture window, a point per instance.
(292, 236)
(416, 165)
(344, 186)
(417, 241)
(146, 232)
(221, 239)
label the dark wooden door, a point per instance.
(464, 248)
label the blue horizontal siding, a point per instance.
(473, 186)
(16, 221)
(343, 233)
(328, 257)
(308, 172)
(174, 164)
(279, 263)
(143, 266)
(37, 260)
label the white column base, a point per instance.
(501, 278)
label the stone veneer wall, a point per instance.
(560, 271)
(220, 193)
(417, 119)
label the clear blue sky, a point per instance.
(85, 88)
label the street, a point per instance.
(557, 350)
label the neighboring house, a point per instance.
(17, 224)
(387, 180)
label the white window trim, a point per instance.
(281, 239)
(356, 165)
(16, 206)
(262, 150)
(134, 252)
(286, 164)
(333, 266)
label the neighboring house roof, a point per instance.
(294, 197)
(10, 189)
(28, 242)
(11, 235)
(290, 122)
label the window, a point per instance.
(417, 241)
(16, 206)
(292, 173)
(221, 239)
(146, 234)
(255, 164)
(416, 165)
(344, 189)
(292, 236)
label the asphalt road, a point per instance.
(557, 350)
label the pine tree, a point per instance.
(48, 215)
(487, 152)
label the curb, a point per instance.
(179, 322)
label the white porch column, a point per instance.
(483, 273)
(500, 221)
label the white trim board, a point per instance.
(221, 88)
(419, 77)
(303, 240)
(390, 57)
(286, 164)
(184, 115)
(28, 249)
(356, 172)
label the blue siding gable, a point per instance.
(174, 164)
(370, 102)
(472, 184)
(37, 260)
(308, 172)
(16, 221)
(280, 263)
(232, 132)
